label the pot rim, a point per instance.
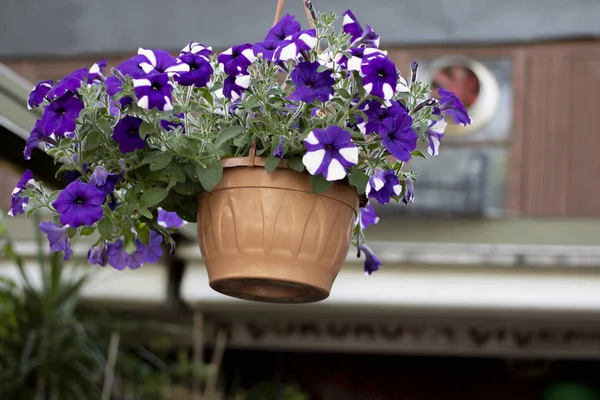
(253, 161)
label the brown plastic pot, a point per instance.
(266, 237)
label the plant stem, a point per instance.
(109, 371)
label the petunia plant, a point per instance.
(138, 143)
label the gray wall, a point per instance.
(72, 27)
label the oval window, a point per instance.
(473, 83)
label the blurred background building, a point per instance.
(490, 284)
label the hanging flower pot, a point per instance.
(267, 237)
(266, 146)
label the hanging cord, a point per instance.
(308, 10)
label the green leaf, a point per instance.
(357, 135)
(210, 176)
(206, 94)
(65, 167)
(92, 140)
(344, 93)
(153, 196)
(302, 123)
(151, 157)
(104, 125)
(146, 128)
(228, 133)
(53, 196)
(129, 242)
(130, 196)
(72, 232)
(274, 92)
(32, 207)
(163, 160)
(177, 171)
(252, 101)
(239, 142)
(296, 164)
(145, 212)
(271, 163)
(212, 149)
(185, 189)
(52, 152)
(418, 153)
(105, 227)
(143, 232)
(359, 180)
(318, 184)
(86, 231)
(65, 144)
(322, 68)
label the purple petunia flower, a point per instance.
(70, 83)
(295, 44)
(398, 137)
(414, 69)
(129, 68)
(372, 262)
(310, 84)
(153, 249)
(360, 55)
(98, 254)
(18, 202)
(79, 204)
(127, 134)
(60, 116)
(351, 25)
(114, 107)
(58, 238)
(104, 181)
(367, 217)
(119, 259)
(38, 94)
(359, 36)
(36, 137)
(278, 152)
(233, 86)
(154, 92)
(168, 219)
(266, 48)
(286, 27)
(95, 72)
(113, 85)
(161, 62)
(329, 153)
(435, 133)
(409, 191)
(133, 67)
(171, 125)
(237, 59)
(379, 77)
(451, 105)
(199, 73)
(198, 49)
(383, 185)
(377, 113)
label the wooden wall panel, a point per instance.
(555, 171)
(583, 109)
